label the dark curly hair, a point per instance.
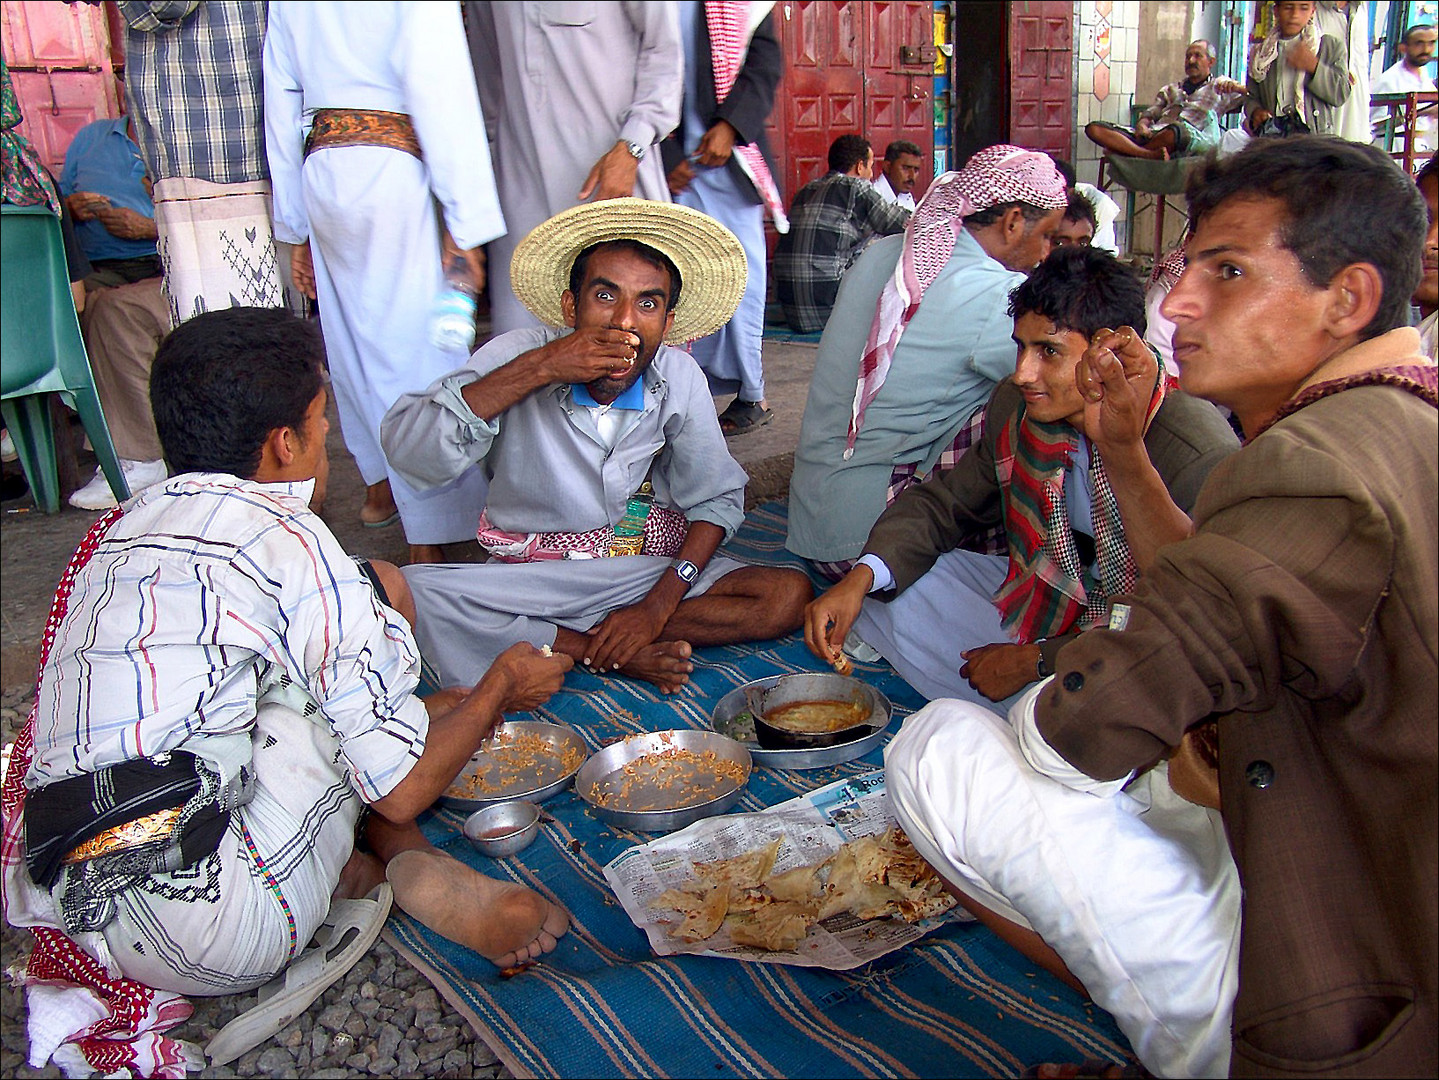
(1083, 289)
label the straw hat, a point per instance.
(709, 258)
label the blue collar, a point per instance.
(633, 398)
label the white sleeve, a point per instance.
(1045, 759)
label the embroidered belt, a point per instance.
(131, 834)
(362, 127)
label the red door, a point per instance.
(61, 62)
(850, 67)
(1041, 94)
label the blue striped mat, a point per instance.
(958, 1003)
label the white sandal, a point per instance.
(349, 929)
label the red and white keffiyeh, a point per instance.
(993, 176)
(731, 25)
(79, 1014)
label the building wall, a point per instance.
(1106, 68)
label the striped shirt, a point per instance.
(208, 592)
(192, 80)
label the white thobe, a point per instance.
(561, 83)
(368, 211)
(1352, 122)
(1131, 885)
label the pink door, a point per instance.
(63, 67)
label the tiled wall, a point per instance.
(1105, 66)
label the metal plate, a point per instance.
(732, 718)
(634, 800)
(494, 775)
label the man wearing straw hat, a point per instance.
(600, 440)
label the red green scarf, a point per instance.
(1048, 589)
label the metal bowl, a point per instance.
(537, 783)
(810, 686)
(647, 806)
(503, 828)
(734, 717)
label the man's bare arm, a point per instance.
(579, 357)
(521, 678)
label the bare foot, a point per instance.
(358, 876)
(379, 505)
(664, 663)
(505, 923)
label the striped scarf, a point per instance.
(1048, 589)
(731, 25)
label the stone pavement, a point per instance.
(383, 1018)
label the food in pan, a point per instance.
(817, 717)
(872, 877)
(510, 757)
(687, 777)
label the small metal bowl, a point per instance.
(502, 829)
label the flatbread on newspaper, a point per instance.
(869, 878)
(746, 871)
(778, 928)
(703, 923)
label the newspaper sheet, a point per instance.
(811, 827)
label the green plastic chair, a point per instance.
(42, 353)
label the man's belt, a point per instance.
(362, 127)
(149, 805)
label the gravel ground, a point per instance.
(382, 1019)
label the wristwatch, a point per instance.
(1042, 669)
(637, 150)
(686, 570)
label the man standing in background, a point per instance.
(718, 163)
(192, 83)
(575, 98)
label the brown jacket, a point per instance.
(1186, 440)
(1303, 613)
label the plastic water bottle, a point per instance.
(452, 320)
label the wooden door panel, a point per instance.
(1041, 65)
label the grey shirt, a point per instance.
(548, 466)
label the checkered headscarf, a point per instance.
(992, 177)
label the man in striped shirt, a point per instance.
(216, 627)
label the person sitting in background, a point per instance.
(1076, 228)
(1298, 77)
(1184, 119)
(830, 221)
(107, 190)
(1106, 210)
(900, 172)
(918, 339)
(1410, 74)
(192, 834)
(957, 623)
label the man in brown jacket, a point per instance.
(1300, 618)
(932, 607)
